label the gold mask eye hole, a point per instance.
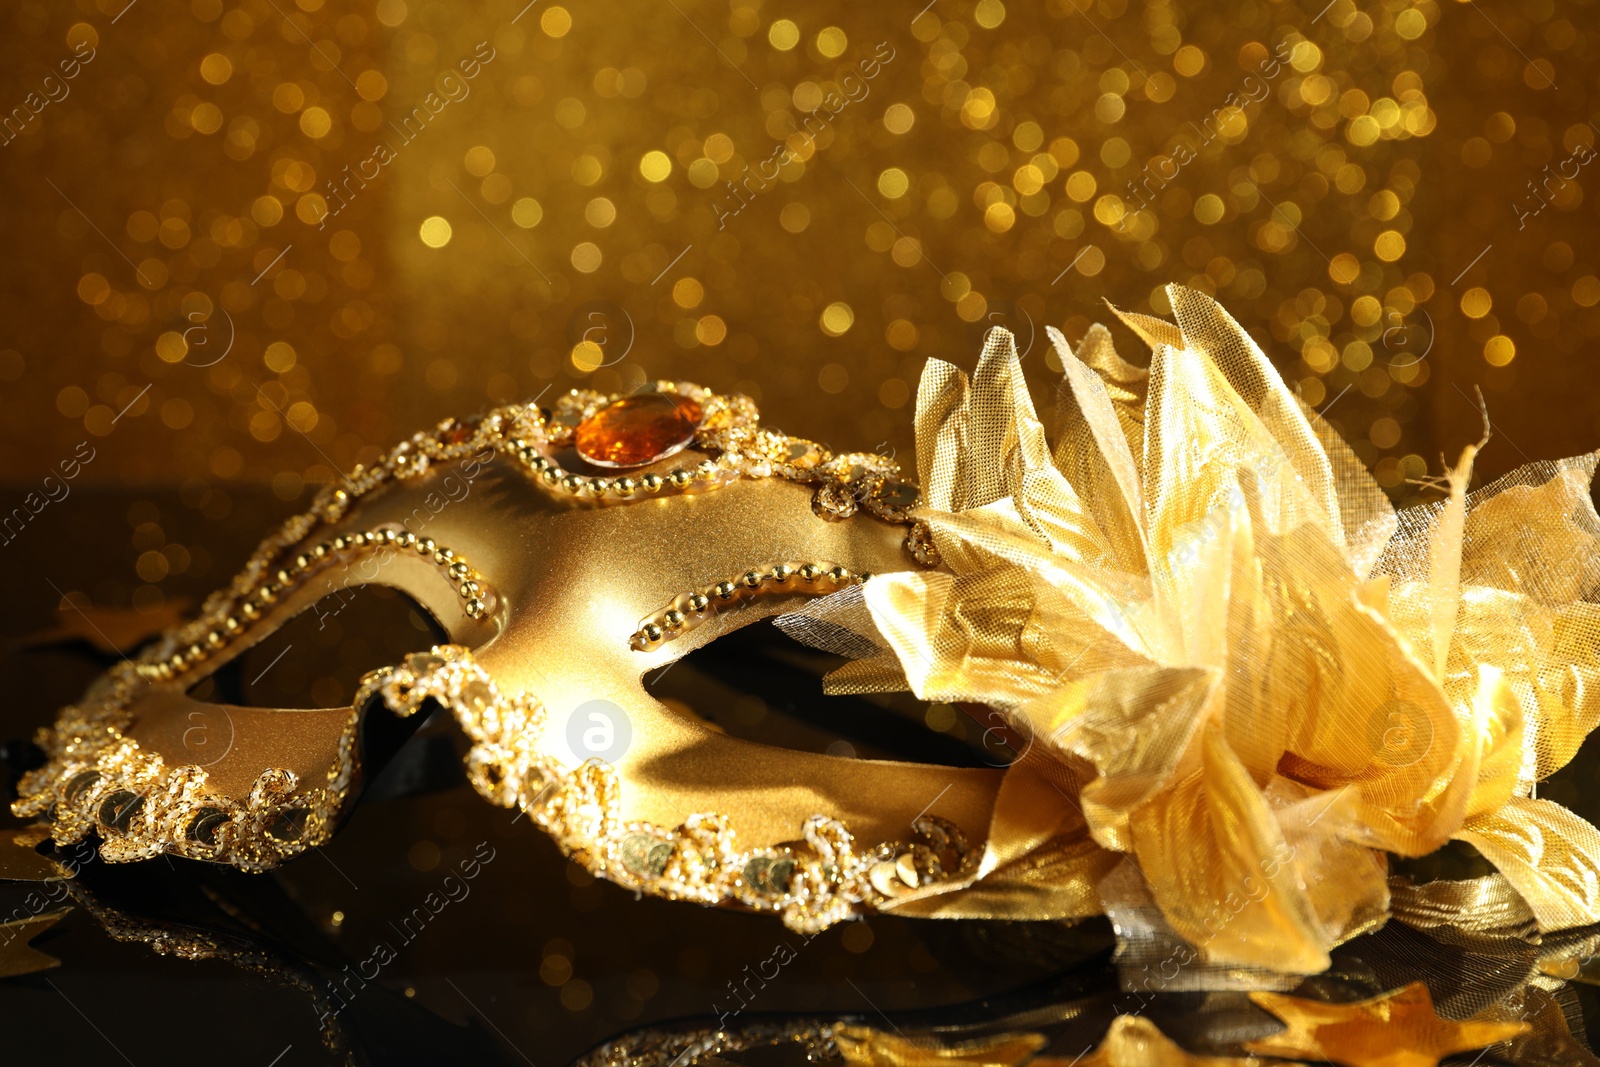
(315, 659)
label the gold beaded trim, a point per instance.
(813, 886)
(689, 610)
(539, 433)
(729, 428)
(99, 780)
(230, 620)
(847, 483)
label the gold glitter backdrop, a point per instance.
(259, 240)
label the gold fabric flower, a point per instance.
(1248, 673)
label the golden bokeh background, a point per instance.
(256, 241)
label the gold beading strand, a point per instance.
(478, 597)
(689, 610)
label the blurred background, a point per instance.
(251, 242)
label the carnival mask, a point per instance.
(1242, 681)
(565, 553)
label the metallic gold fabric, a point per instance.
(1257, 677)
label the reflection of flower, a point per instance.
(1255, 677)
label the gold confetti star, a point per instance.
(1397, 1029)
(20, 863)
(1135, 1042)
(17, 957)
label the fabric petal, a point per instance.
(927, 618)
(1221, 871)
(1126, 385)
(1060, 593)
(1498, 732)
(1368, 515)
(1380, 727)
(1151, 330)
(1207, 328)
(1347, 883)
(1549, 854)
(1039, 861)
(981, 442)
(1092, 451)
(1201, 439)
(1136, 728)
(940, 423)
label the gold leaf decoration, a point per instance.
(1132, 1041)
(1397, 1029)
(17, 957)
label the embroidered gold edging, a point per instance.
(813, 887)
(99, 780)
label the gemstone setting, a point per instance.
(637, 430)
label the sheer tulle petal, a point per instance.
(1221, 871)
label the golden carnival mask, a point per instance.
(558, 590)
(1244, 681)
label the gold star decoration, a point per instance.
(19, 862)
(17, 957)
(109, 630)
(1132, 1041)
(1397, 1029)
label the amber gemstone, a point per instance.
(637, 430)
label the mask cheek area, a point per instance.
(284, 702)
